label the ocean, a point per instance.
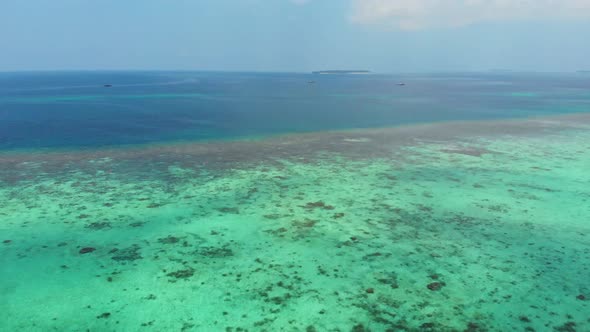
(75, 110)
(204, 201)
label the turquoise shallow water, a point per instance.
(467, 226)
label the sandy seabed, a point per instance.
(465, 226)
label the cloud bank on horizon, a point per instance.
(422, 14)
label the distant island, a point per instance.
(323, 72)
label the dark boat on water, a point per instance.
(108, 85)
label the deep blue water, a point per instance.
(75, 110)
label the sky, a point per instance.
(295, 35)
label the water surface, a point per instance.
(75, 110)
(479, 224)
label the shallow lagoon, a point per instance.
(464, 226)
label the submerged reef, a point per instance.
(130, 253)
(434, 228)
(87, 250)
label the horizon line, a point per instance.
(369, 72)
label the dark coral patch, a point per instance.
(318, 205)
(307, 223)
(182, 274)
(98, 225)
(232, 210)
(375, 256)
(216, 252)
(389, 279)
(427, 327)
(169, 239)
(277, 232)
(359, 328)
(435, 286)
(127, 254)
(566, 327)
(86, 250)
(104, 315)
(474, 327)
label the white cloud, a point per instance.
(419, 14)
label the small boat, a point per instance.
(108, 85)
(311, 82)
(401, 84)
